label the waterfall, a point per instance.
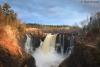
(28, 45)
(71, 46)
(45, 55)
(65, 44)
(49, 43)
(62, 45)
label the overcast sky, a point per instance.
(67, 12)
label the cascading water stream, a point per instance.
(62, 48)
(66, 50)
(71, 46)
(46, 55)
(49, 43)
(28, 45)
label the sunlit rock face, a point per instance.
(9, 41)
(11, 54)
(36, 32)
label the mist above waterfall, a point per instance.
(50, 59)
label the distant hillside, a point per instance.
(42, 26)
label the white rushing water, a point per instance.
(28, 45)
(46, 55)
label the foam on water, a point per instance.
(46, 55)
(50, 59)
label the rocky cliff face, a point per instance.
(82, 57)
(86, 52)
(11, 54)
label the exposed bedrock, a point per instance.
(11, 53)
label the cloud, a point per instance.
(53, 11)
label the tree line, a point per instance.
(93, 24)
